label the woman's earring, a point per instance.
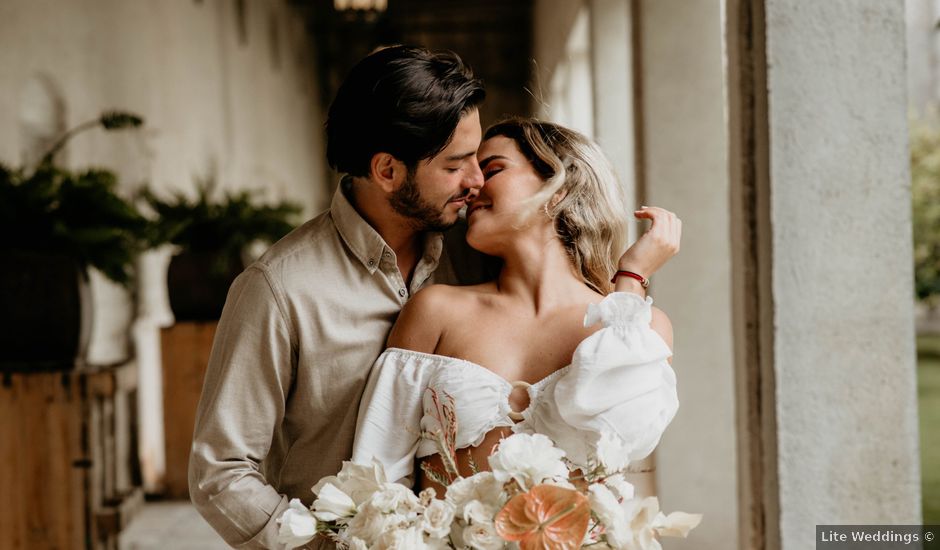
(545, 208)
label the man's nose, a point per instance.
(474, 179)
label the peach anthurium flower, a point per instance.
(547, 517)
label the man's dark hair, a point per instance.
(402, 100)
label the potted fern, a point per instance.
(54, 225)
(211, 236)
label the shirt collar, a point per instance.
(364, 241)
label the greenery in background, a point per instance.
(52, 210)
(925, 194)
(223, 226)
(928, 392)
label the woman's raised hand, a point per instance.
(657, 245)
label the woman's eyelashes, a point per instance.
(491, 172)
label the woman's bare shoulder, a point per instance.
(423, 319)
(663, 326)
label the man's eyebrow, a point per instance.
(460, 156)
(490, 159)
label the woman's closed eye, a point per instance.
(491, 172)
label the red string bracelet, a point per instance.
(644, 282)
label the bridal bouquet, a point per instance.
(533, 499)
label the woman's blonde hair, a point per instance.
(582, 195)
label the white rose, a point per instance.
(482, 486)
(356, 480)
(437, 518)
(613, 453)
(368, 524)
(333, 504)
(482, 536)
(297, 525)
(530, 459)
(401, 539)
(356, 543)
(394, 497)
(477, 512)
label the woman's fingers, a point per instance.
(665, 227)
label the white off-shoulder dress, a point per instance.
(619, 381)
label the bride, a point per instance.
(552, 346)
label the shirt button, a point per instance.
(371, 262)
(387, 255)
(402, 292)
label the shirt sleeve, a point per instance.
(388, 426)
(242, 403)
(620, 381)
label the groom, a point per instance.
(302, 326)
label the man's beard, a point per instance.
(408, 202)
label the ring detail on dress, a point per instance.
(516, 416)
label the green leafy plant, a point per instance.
(51, 210)
(925, 195)
(222, 226)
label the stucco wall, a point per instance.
(552, 22)
(841, 248)
(685, 170)
(243, 106)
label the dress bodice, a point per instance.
(619, 382)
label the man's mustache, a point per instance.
(464, 195)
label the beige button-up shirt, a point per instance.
(300, 330)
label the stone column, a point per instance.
(612, 66)
(820, 209)
(684, 168)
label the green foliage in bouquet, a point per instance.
(225, 226)
(51, 210)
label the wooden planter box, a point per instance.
(185, 348)
(68, 445)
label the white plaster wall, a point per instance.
(842, 282)
(552, 24)
(211, 104)
(686, 171)
(612, 51)
(570, 99)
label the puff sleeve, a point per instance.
(619, 380)
(387, 428)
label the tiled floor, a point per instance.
(173, 524)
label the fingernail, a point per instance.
(644, 206)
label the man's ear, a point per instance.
(387, 171)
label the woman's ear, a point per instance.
(557, 198)
(387, 171)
